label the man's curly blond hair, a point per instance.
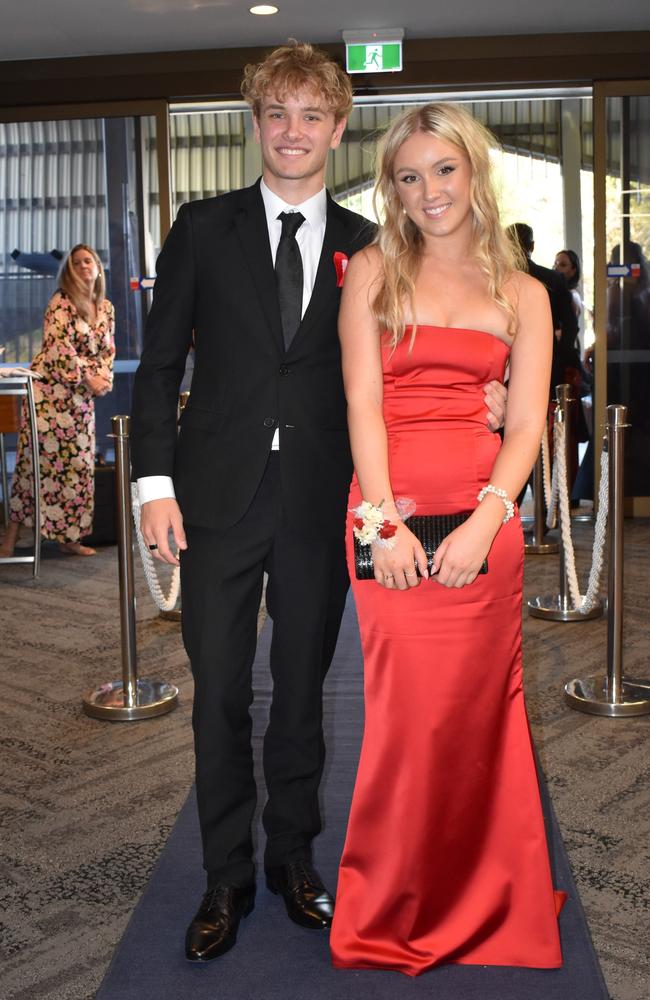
(294, 67)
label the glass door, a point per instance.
(622, 202)
(84, 174)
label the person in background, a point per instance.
(628, 331)
(565, 323)
(566, 354)
(567, 263)
(628, 301)
(75, 364)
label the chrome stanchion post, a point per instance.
(129, 698)
(537, 545)
(577, 514)
(610, 694)
(125, 563)
(36, 468)
(5, 481)
(616, 424)
(20, 386)
(557, 607)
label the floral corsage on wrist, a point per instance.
(371, 526)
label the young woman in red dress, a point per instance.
(446, 858)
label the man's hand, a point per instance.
(496, 397)
(157, 519)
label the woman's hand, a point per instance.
(461, 554)
(396, 568)
(98, 383)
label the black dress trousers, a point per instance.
(222, 576)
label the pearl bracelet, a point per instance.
(503, 496)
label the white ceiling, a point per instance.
(37, 29)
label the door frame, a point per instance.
(157, 109)
(634, 506)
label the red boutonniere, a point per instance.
(341, 261)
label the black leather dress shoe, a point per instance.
(213, 930)
(307, 900)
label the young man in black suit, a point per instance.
(566, 353)
(261, 471)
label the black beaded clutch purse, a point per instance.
(429, 529)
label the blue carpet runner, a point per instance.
(276, 960)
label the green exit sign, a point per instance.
(374, 57)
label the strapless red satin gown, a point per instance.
(445, 859)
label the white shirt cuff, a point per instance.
(155, 488)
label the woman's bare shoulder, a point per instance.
(525, 284)
(525, 291)
(367, 262)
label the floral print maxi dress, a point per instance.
(65, 414)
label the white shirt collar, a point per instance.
(314, 209)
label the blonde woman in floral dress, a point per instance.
(75, 365)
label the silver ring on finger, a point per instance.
(409, 574)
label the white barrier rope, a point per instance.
(546, 470)
(600, 535)
(164, 603)
(581, 603)
(550, 483)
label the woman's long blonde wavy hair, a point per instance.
(75, 288)
(400, 240)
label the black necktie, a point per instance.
(288, 275)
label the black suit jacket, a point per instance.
(565, 351)
(216, 284)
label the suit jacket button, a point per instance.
(268, 421)
(284, 370)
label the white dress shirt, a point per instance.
(310, 238)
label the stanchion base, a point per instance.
(541, 548)
(171, 616)
(590, 695)
(635, 682)
(553, 607)
(153, 698)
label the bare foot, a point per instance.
(9, 540)
(76, 549)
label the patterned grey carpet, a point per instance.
(87, 805)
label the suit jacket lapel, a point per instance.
(336, 238)
(254, 236)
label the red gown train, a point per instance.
(445, 859)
